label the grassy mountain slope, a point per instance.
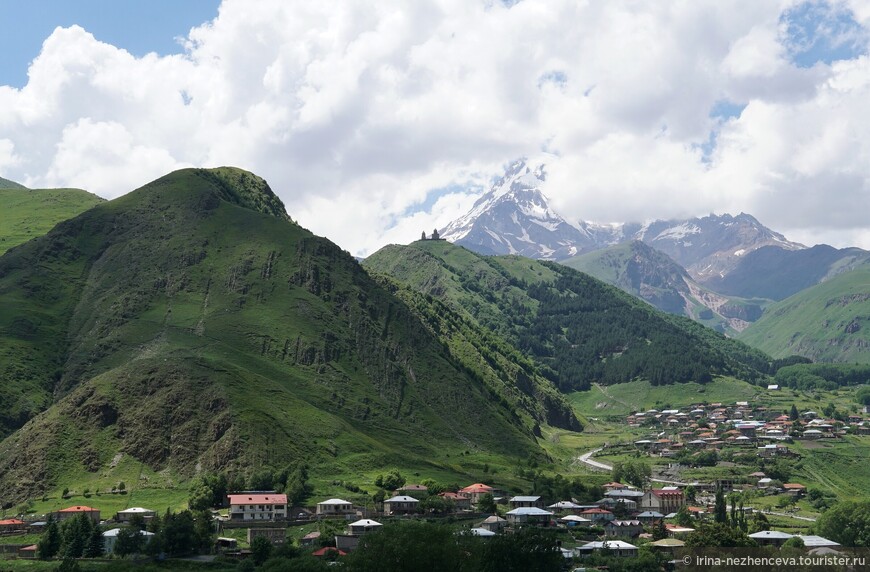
(190, 324)
(29, 213)
(7, 184)
(828, 322)
(639, 269)
(578, 329)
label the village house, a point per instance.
(525, 501)
(363, 526)
(258, 506)
(598, 515)
(110, 537)
(613, 547)
(333, 507)
(350, 540)
(528, 515)
(565, 506)
(493, 523)
(12, 526)
(795, 489)
(663, 500)
(650, 516)
(575, 520)
(773, 450)
(459, 502)
(770, 537)
(28, 551)
(275, 536)
(127, 514)
(408, 489)
(677, 531)
(70, 512)
(613, 485)
(623, 528)
(476, 491)
(401, 504)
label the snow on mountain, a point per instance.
(514, 217)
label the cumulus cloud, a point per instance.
(376, 120)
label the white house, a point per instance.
(528, 514)
(333, 507)
(614, 547)
(363, 526)
(258, 506)
(110, 537)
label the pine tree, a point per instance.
(49, 544)
(720, 511)
(793, 414)
(95, 547)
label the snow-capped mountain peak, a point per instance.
(515, 217)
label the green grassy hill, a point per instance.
(828, 322)
(190, 325)
(639, 269)
(578, 329)
(30, 213)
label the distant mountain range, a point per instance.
(721, 270)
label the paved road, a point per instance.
(585, 458)
(785, 514)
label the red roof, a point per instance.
(793, 486)
(596, 511)
(11, 522)
(258, 499)
(477, 488)
(666, 493)
(326, 549)
(452, 496)
(31, 548)
(79, 509)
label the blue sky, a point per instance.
(375, 119)
(138, 26)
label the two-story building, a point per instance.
(401, 504)
(258, 506)
(525, 501)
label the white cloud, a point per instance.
(355, 111)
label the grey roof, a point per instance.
(482, 532)
(529, 511)
(610, 544)
(650, 514)
(625, 493)
(813, 541)
(525, 499)
(402, 498)
(775, 534)
(564, 504)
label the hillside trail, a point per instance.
(603, 390)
